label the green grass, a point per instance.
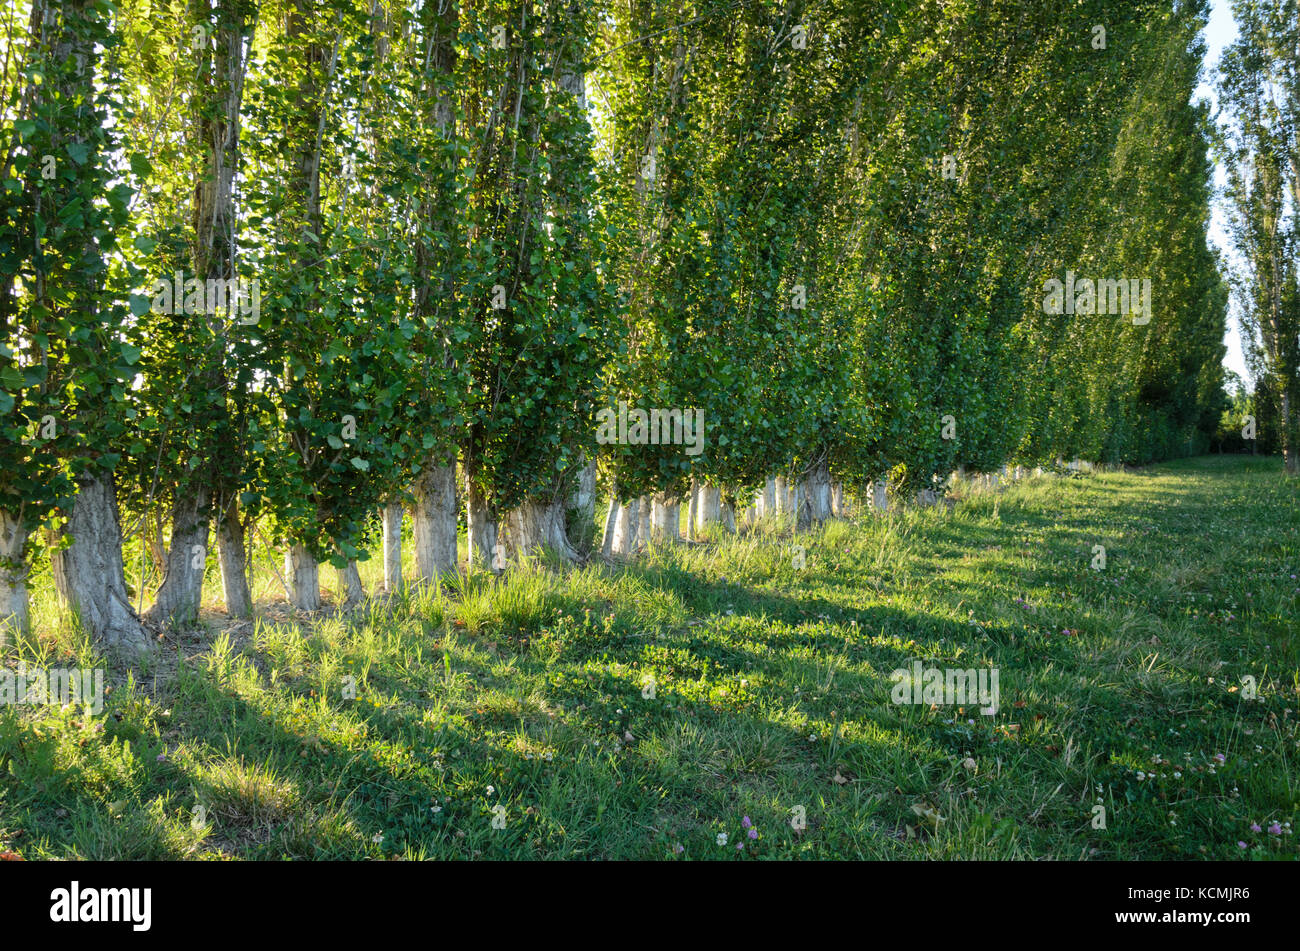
(771, 691)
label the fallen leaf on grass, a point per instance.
(928, 813)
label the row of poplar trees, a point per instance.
(469, 227)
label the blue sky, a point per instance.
(1219, 32)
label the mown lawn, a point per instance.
(642, 711)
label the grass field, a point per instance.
(644, 711)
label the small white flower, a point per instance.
(377, 838)
(435, 809)
(722, 838)
(491, 790)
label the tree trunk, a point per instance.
(816, 488)
(351, 592)
(768, 508)
(782, 501)
(611, 520)
(582, 505)
(692, 506)
(664, 518)
(180, 594)
(1290, 436)
(658, 519)
(625, 528)
(434, 522)
(880, 495)
(837, 499)
(393, 547)
(14, 614)
(234, 568)
(708, 509)
(302, 577)
(482, 528)
(88, 573)
(537, 526)
(727, 515)
(644, 511)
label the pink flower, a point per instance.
(1254, 827)
(1241, 845)
(745, 822)
(1275, 829)
(1219, 758)
(753, 833)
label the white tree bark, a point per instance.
(625, 528)
(392, 532)
(180, 594)
(816, 491)
(611, 521)
(535, 526)
(434, 521)
(645, 510)
(14, 612)
(582, 500)
(727, 515)
(708, 507)
(482, 529)
(783, 506)
(880, 495)
(768, 508)
(302, 576)
(658, 519)
(692, 506)
(234, 563)
(88, 573)
(351, 593)
(665, 519)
